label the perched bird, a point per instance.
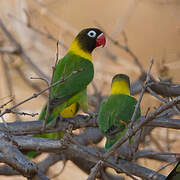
(67, 97)
(116, 111)
(73, 90)
(175, 173)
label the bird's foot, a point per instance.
(124, 123)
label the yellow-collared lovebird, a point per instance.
(175, 173)
(116, 111)
(73, 90)
(69, 95)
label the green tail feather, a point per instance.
(54, 135)
(51, 116)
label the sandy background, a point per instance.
(152, 28)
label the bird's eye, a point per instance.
(92, 34)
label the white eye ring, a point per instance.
(92, 34)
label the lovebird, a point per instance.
(73, 90)
(116, 111)
(175, 173)
(67, 97)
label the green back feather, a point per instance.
(69, 91)
(115, 109)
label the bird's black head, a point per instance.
(90, 38)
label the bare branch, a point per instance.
(141, 95)
(24, 113)
(79, 121)
(3, 105)
(134, 169)
(49, 95)
(86, 152)
(39, 93)
(13, 157)
(162, 88)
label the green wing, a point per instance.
(113, 116)
(76, 83)
(70, 90)
(175, 173)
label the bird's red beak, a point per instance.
(101, 40)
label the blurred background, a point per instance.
(149, 28)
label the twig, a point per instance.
(165, 89)
(24, 113)
(156, 95)
(49, 95)
(6, 103)
(133, 118)
(40, 78)
(35, 95)
(141, 95)
(161, 156)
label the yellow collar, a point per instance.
(76, 49)
(120, 87)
